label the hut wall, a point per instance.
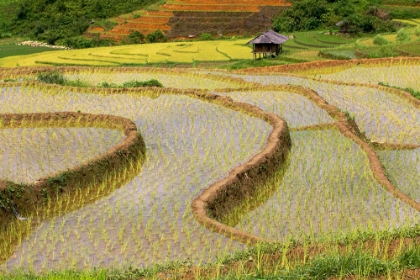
(267, 48)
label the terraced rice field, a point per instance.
(176, 52)
(216, 173)
(162, 18)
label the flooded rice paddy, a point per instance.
(325, 188)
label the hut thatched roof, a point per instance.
(269, 37)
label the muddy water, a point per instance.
(383, 116)
(403, 169)
(28, 154)
(401, 76)
(190, 144)
(297, 110)
(327, 188)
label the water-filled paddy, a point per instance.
(401, 76)
(190, 144)
(297, 110)
(28, 154)
(403, 169)
(381, 115)
(328, 187)
(173, 80)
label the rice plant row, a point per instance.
(326, 188)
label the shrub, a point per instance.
(5, 35)
(380, 40)
(206, 36)
(150, 83)
(133, 84)
(52, 77)
(76, 42)
(156, 36)
(135, 37)
(284, 24)
(403, 36)
(385, 51)
(417, 31)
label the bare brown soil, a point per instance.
(322, 126)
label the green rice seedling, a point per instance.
(397, 75)
(310, 206)
(327, 188)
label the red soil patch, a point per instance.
(97, 29)
(159, 13)
(238, 2)
(132, 25)
(211, 8)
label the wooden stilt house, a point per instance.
(268, 44)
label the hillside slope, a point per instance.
(182, 18)
(52, 20)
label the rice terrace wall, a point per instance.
(212, 162)
(190, 17)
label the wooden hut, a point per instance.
(268, 44)
(345, 26)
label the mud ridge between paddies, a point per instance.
(24, 198)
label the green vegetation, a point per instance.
(55, 77)
(413, 92)
(8, 8)
(135, 37)
(156, 37)
(358, 16)
(417, 31)
(402, 12)
(413, 49)
(403, 35)
(378, 232)
(380, 40)
(133, 84)
(333, 264)
(55, 21)
(12, 50)
(206, 37)
(253, 63)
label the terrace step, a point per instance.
(215, 7)
(235, 2)
(185, 23)
(181, 18)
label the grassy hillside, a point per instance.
(8, 8)
(52, 20)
